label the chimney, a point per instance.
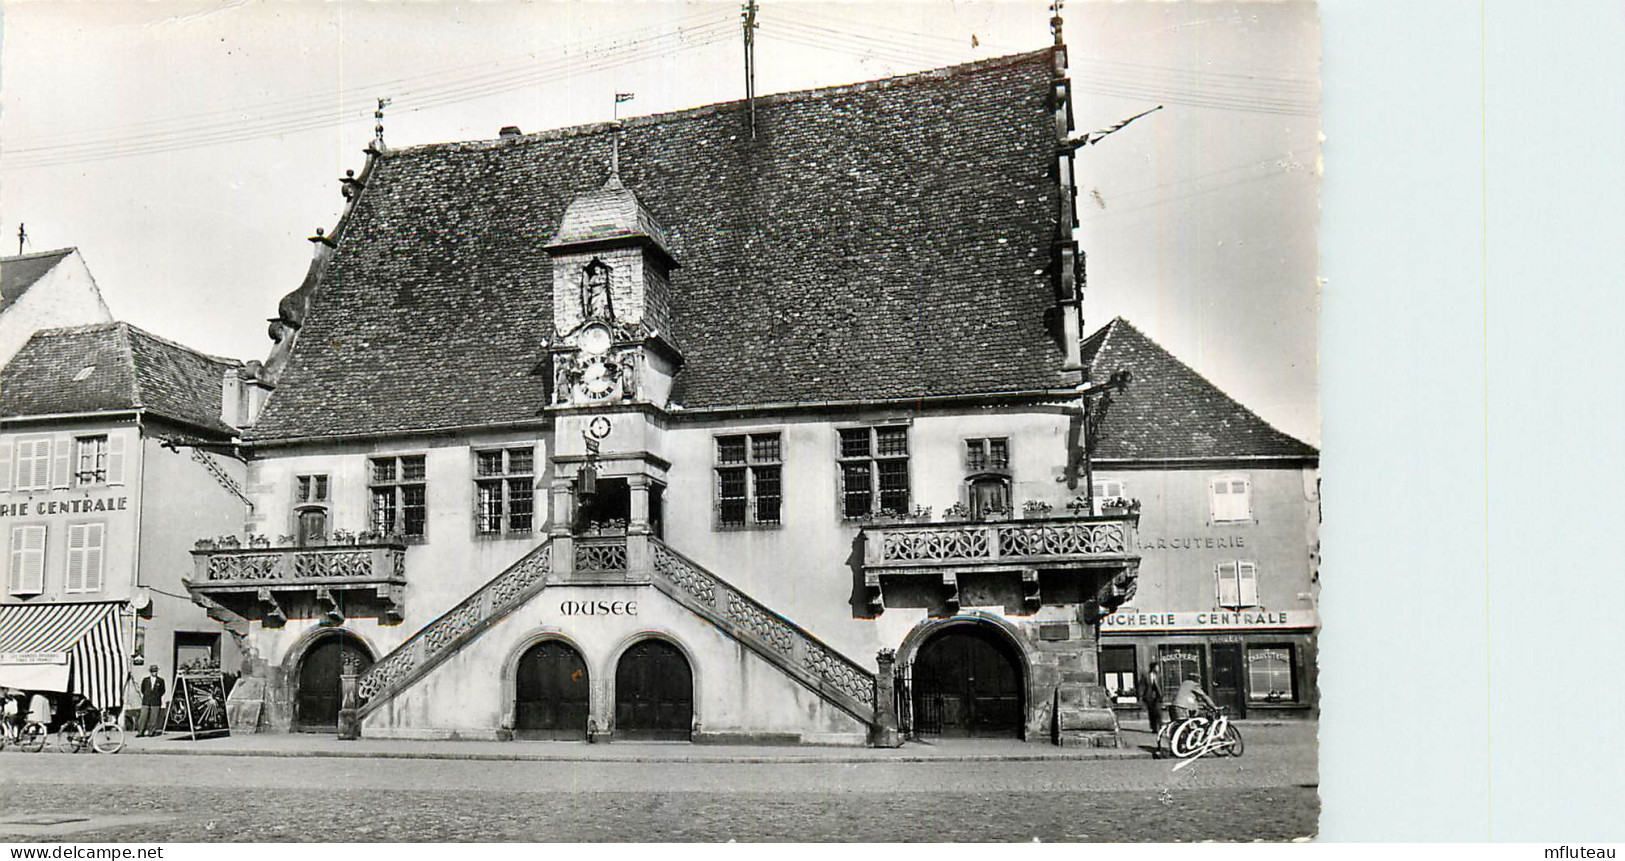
(509, 133)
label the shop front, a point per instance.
(1255, 663)
(64, 649)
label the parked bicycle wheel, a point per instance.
(1232, 740)
(108, 737)
(33, 738)
(72, 738)
(1189, 737)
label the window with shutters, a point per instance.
(750, 480)
(90, 460)
(26, 559)
(399, 495)
(505, 491)
(1232, 498)
(1237, 584)
(33, 459)
(874, 470)
(86, 542)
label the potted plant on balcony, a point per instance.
(1119, 505)
(955, 512)
(1034, 509)
(203, 544)
(230, 542)
(996, 514)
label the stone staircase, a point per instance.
(442, 638)
(779, 641)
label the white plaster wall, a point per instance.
(1179, 544)
(64, 296)
(734, 689)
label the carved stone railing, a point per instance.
(299, 566)
(780, 641)
(443, 637)
(600, 555)
(1016, 543)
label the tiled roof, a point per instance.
(611, 212)
(17, 274)
(128, 369)
(1168, 411)
(882, 240)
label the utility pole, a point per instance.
(750, 63)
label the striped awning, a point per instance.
(64, 647)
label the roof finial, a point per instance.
(22, 236)
(615, 141)
(378, 118)
(1055, 20)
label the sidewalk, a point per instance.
(314, 745)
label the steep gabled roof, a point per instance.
(128, 368)
(17, 274)
(1168, 411)
(883, 240)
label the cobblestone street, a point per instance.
(1268, 794)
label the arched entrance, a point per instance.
(967, 681)
(654, 693)
(316, 705)
(552, 693)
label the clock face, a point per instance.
(595, 340)
(597, 380)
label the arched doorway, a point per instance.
(316, 705)
(654, 693)
(967, 681)
(552, 693)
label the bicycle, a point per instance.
(29, 737)
(1209, 732)
(105, 735)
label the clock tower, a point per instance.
(613, 361)
(612, 267)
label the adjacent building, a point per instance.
(116, 451)
(46, 290)
(1229, 517)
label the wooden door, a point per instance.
(967, 682)
(316, 706)
(654, 693)
(553, 693)
(1227, 676)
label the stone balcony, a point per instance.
(331, 582)
(1092, 558)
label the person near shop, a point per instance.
(1151, 695)
(152, 704)
(39, 709)
(11, 709)
(1192, 700)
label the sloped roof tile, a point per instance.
(1168, 411)
(17, 274)
(882, 240)
(113, 366)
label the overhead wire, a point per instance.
(566, 67)
(361, 93)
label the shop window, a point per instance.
(399, 495)
(874, 470)
(26, 559)
(1231, 498)
(1237, 584)
(85, 556)
(1270, 674)
(1179, 662)
(750, 479)
(1119, 674)
(90, 461)
(505, 491)
(195, 652)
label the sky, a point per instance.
(189, 148)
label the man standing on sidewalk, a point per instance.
(1151, 695)
(152, 704)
